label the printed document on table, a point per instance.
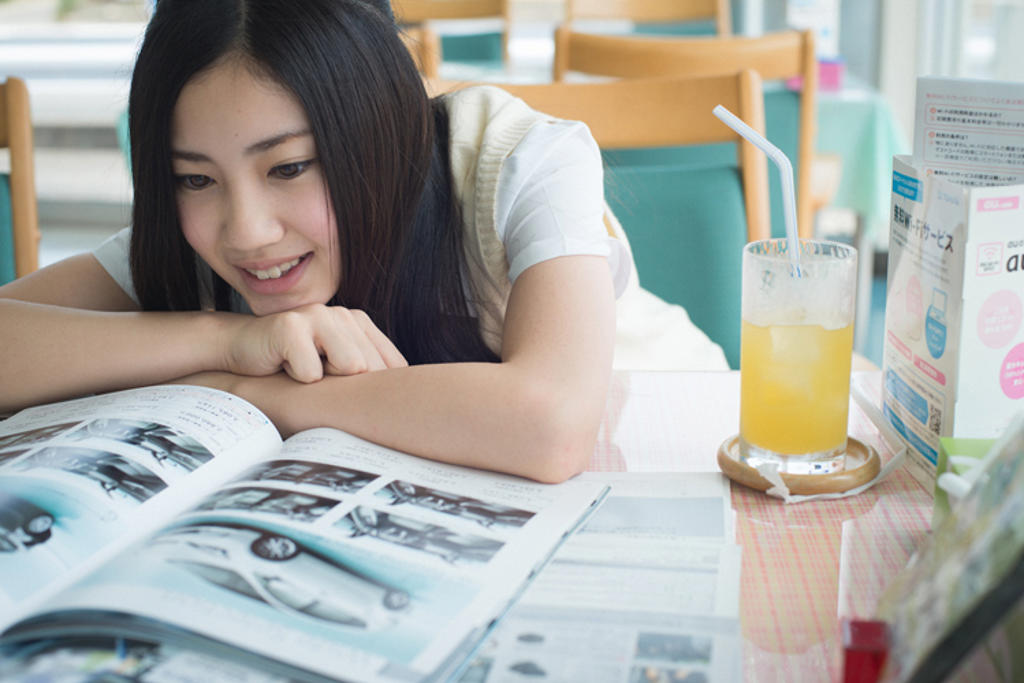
(970, 131)
(647, 588)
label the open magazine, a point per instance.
(647, 591)
(176, 514)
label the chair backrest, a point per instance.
(654, 11)
(686, 225)
(775, 56)
(16, 136)
(665, 112)
(417, 13)
(425, 47)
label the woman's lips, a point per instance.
(278, 278)
(274, 272)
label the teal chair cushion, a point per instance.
(482, 48)
(7, 271)
(686, 223)
(696, 157)
(683, 28)
(782, 127)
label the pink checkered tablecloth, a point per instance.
(804, 565)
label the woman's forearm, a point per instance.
(535, 414)
(488, 415)
(52, 353)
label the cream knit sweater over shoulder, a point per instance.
(486, 126)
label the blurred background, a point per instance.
(77, 56)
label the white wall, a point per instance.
(898, 48)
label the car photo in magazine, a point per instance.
(176, 515)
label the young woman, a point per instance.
(313, 233)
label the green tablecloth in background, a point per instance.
(858, 124)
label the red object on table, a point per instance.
(865, 648)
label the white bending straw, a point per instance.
(785, 172)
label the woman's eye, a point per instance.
(194, 182)
(292, 170)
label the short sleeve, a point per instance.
(550, 201)
(113, 255)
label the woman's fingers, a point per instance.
(356, 345)
(294, 342)
(389, 353)
(345, 348)
(311, 341)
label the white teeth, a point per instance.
(274, 272)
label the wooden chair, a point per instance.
(425, 47)
(654, 11)
(16, 136)
(663, 112)
(776, 57)
(419, 11)
(686, 226)
(417, 14)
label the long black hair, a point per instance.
(381, 141)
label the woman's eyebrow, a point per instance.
(271, 142)
(254, 148)
(185, 155)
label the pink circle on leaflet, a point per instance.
(999, 318)
(1011, 375)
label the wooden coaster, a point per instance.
(862, 465)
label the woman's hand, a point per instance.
(308, 343)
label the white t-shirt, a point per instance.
(549, 204)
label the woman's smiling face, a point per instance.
(251, 196)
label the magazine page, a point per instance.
(92, 659)
(82, 478)
(336, 556)
(646, 590)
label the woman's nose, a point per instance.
(251, 221)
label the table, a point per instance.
(804, 566)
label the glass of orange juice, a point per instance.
(796, 347)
